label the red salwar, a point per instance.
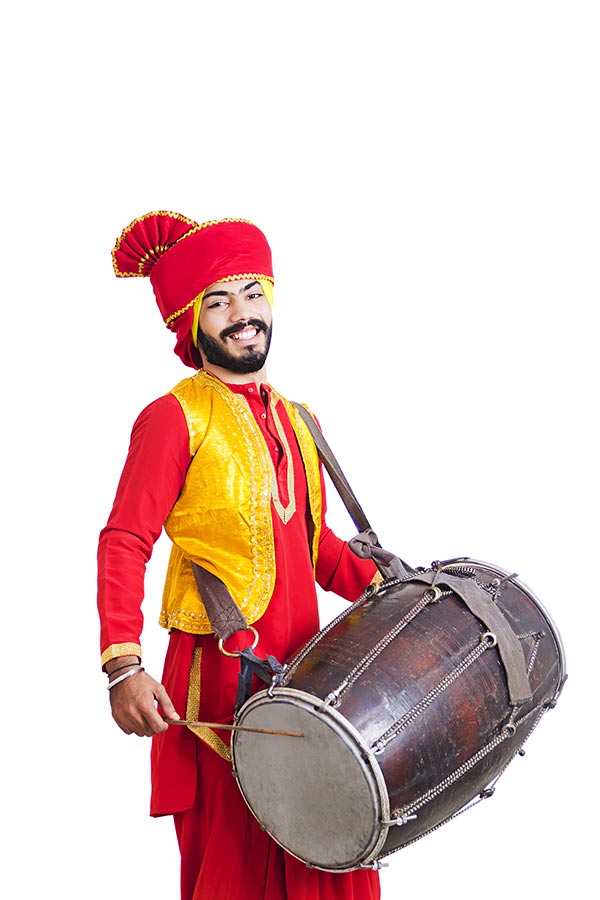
(225, 854)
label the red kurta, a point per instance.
(224, 851)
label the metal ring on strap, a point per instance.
(237, 653)
(489, 638)
(433, 593)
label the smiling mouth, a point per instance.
(244, 332)
(247, 334)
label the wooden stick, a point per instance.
(296, 734)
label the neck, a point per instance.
(230, 377)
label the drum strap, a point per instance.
(226, 618)
(365, 544)
(223, 613)
(481, 604)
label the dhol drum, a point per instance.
(411, 704)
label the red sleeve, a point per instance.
(338, 569)
(151, 481)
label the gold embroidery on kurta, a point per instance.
(120, 650)
(192, 711)
(285, 513)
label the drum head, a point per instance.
(322, 797)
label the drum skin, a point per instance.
(424, 726)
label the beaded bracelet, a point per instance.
(125, 675)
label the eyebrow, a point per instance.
(224, 293)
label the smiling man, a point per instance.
(226, 465)
(241, 347)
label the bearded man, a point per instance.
(230, 470)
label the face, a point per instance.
(234, 326)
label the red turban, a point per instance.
(182, 259)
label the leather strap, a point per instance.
(223, 613)
(365, 544)
(331, 464)
(226, 618)
(481, 604)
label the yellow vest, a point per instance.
(222, 519)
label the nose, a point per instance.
(237, 308)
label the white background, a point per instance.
(427, 174)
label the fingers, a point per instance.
(133, 704)
(165, 703)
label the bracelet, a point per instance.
(131, 672)
(120, 668)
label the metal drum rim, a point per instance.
(367, 756)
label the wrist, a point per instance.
(122, 663)
(129, 672)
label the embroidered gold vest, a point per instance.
(222, 519)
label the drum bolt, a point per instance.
(399, 820)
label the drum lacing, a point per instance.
(431, 595)
(486, 641)
(494, 587)
(507, 731)
(536, 638)
(483, 795)
(368, 594)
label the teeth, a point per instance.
(245, 335)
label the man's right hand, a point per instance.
(133, 701)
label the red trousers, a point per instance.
(226, 856)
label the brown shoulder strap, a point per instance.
(331, 464)
(223, 612)
(365, 544)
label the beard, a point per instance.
(251, 359)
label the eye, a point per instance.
(255, 295)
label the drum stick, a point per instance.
(296, 734)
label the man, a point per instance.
(226, 464)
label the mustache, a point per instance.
(239, 326)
